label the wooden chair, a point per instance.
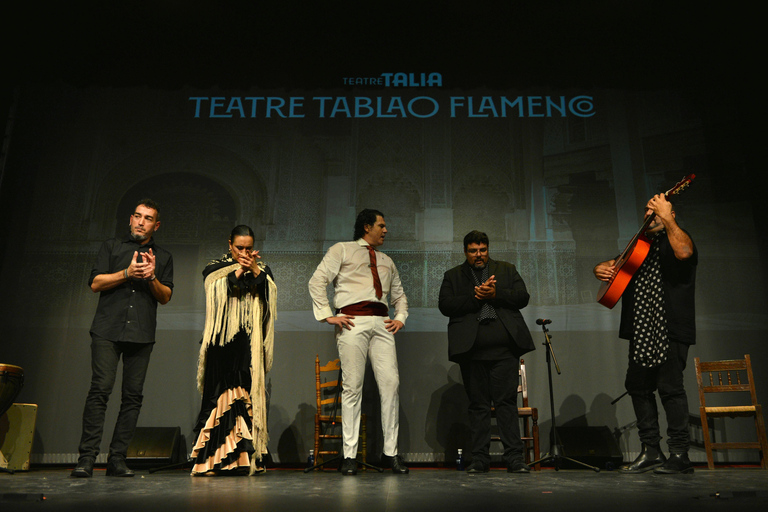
(731, 376)
(328, 414)
(530, 420)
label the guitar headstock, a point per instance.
(680, 185)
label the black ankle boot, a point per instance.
(116, 467)
(676, 464)
(651, 457)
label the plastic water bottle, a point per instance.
(311, 459)
(460, 461)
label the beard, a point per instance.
(138, 238)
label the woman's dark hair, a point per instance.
(366, 217)
(241, 230)
(475, 237)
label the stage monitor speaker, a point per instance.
(595, 446)
(17, 430)
(157, 445)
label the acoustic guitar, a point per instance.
(633, 255)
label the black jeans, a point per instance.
(493, 381)
(667, 379)
(105, 356)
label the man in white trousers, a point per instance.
(364, 279)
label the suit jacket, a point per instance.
(457, 301)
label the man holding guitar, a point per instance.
(658, 319)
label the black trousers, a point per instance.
(494, 382)
(667, 380)
(105, 356)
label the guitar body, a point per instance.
(610, 292)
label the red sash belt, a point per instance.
(365, 309)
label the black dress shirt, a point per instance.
(679, 282)
(128, 312)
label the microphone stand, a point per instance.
(177, 465)
(613, 402)
(556, 449)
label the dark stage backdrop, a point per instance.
(557, 178)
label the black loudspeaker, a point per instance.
(156, 445)
(595, 446)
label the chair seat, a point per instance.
(745, 410)
(329, 418)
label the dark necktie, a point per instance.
(375, 272)
(487, 312)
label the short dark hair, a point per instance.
(475, 237)
(241, 230)
(366, 217)
(149, 203)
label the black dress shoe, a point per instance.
(677, 463)
(395, 463)
(116, 467)
(650, 457)
(518, 466)
(477, 467)
(348, 467)
(84, 468)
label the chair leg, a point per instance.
(536, 448)
(707, 438)
(760, 425)
(527, 443)
(317, 439)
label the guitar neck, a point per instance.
(630, 246)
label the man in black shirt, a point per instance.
(658, 319)
(486, 336)
(132, 275)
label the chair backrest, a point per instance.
(328, 391)
(522, 387)
(725, 377)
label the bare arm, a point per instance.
(144, 270)
(604, 271)
(679, 240)
(160, 292)
(104, 282)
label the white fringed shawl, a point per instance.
(227, 315)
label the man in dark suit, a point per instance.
(486, 337)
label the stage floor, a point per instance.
(423, 489)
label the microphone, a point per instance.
(543, 321)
